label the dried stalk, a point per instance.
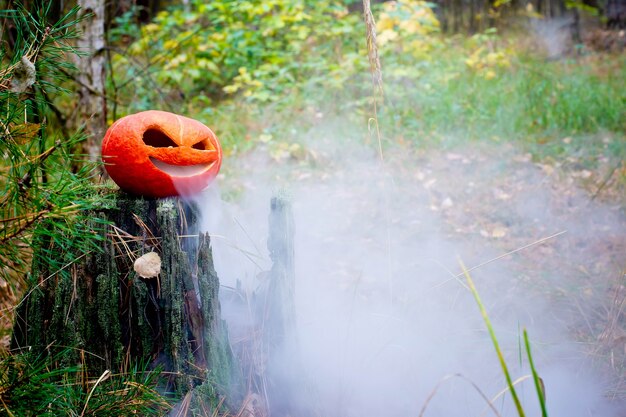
(372, 48)
(376, 71)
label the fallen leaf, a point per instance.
(265, 138)
(499, 232)
(453, 156)
(447, 203)
(547, 169)
(430, 183)
(527, 157)
(501, 195)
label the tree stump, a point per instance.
(112, 317)
(279, 312)
(287, 390)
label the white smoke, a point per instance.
(553, 35)
(383, 315)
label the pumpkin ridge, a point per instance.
(181, 127)
(109, 132)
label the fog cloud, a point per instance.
(383, 317)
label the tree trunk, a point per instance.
(112, 317)
(91, 111)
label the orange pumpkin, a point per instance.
(160, 154)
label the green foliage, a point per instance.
(567, 97)
(37, 386)
(488, 88)
(582, 6)
(43, 195)
(46, 193)
(406, 30)
(261, 50)
(256, 70)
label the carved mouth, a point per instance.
(180, 170)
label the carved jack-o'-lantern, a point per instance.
(160, 154)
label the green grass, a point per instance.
(494, 340)
(33, 385)
(503, 365)
(533, 102)
(539, 386)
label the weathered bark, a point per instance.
(112, 317)
(280, 310)
(91, 111)
(279, 313)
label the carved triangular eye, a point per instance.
(203, 145)
(158, 139)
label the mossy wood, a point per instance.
(279, 318)
(111, 317)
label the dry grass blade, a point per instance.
(497, 258)
(122, 238)
(505, 390)
(184, 406)
(245, 232)
(216, 412)
(149, 237)
(253, 406)
(103, 377)
(6, 408)
(182, 215)
(537, 242)
(614, 330)
(376, 70)
(40, 283)
(447, 378)
(606, 179)
(18, 225)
